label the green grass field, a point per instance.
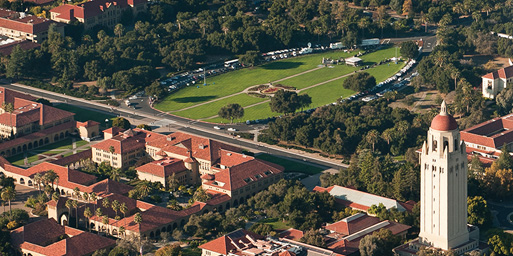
(82, 114)
(237, 81)
(48, 150)
(276, 223)
(291, 166)
(212, 108)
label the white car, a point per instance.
(217, 127)
(231, 129)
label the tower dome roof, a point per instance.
(444, 121)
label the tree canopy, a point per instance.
(360, 81)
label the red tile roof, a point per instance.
(183, 144)
(6, 49)
(292, 234)
(503, 73)
(25, 23)
(91, 8)
(114, 130)
(238, 176)
(123, 142)
(227, 243)
(36, 135)
(353, 224)
(163, 168)
(87, 124)
(74, 158)
(43, 236)
(493, 133)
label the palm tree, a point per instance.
(55, 196)
(124, 209)
(363, 23)
(8, 194)
(38, 177)
(455, 74)
(74, 203)
(138, 218)
(122, 230)
(88, 214)
(92, 197)
(85, 196)
(372, 138)
(69, 205)
(50, 176)
(119, 29)
(115, 206)
(76, 192)
(105, 221)
(388, 135)
(111, 150)
(99, 214)
(106, 202)
(114, 174)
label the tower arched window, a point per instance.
(446, 145)
(455, 145)
(435, 145)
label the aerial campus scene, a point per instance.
(256, 128)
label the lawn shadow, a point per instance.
(194, 99)
(282, 65)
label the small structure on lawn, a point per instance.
(353, 61)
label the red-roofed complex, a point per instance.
(243, 242)
(362, 201)
(97, 12)
(493, 83)
(487, 139)
(47, 237)
(18, 25)
(345, 235)
(34, 124)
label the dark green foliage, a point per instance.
(409, 49)
(262, 229)
(339, 129)
(231, 111)
(119, 251)
(360, 82)
(288, 101)
(478, 212)
(121, 123)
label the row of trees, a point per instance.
(348, 126)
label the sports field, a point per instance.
(305, 73)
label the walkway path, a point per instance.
(298, 91)
(244, 91)
(49, 158)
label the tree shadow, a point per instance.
(194, 99)
(282, 65)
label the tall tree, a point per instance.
(231, 111)
(8, 194)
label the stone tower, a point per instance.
(443, 218)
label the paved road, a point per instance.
(198, 128)
(501, 210)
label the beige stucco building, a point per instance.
(493, 83)
(97, 12)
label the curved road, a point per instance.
(143, 111)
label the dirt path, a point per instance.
(245, 90)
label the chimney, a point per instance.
(41, 114)
(71, 14)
